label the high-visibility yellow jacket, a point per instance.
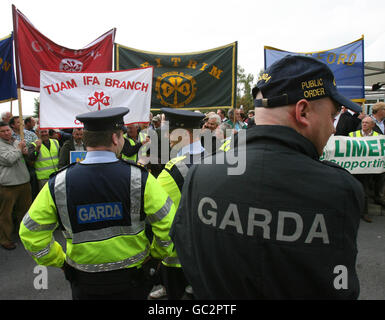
(47, 160)
(132, 142)
(171, 179)
(107, 232)
(226, 145)
(358, 134)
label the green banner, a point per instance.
(198, 80)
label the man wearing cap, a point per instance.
(186, 145)
(101, 205)
(295, 238)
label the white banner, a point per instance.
(357, 155)
(64, 95)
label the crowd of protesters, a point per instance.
(28, 159)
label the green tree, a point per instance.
(36, 104)
(244, 87)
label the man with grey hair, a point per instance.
(6, 116)
(368, 125)
(212, 135)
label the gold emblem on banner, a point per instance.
(175, 89)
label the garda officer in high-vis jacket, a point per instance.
(186, 145)
(101, 205)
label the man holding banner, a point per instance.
(366, 131)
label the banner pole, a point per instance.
(17, 72)
(11, 107)
(20, 114)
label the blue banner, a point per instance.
(346, 62)
(7, 76)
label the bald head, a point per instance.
(312, 119)
(367, 124)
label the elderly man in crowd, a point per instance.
(15, 190)
(368, 125)
(73, 144)
(211, 132)
(6, 116)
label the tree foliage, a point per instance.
(36, 109)
(244, 87)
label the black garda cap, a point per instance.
(182, 118)
(298, 77)
(108, 119)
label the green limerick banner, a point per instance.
(364, 155)
(198, 80)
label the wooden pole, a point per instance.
(20, 114)
(14, 16)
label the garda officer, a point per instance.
(185, 143)
(101, 204)
(286, 228)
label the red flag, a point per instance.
(35, 52)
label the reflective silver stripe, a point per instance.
(32, 225)
(135, 195)
(171, 260)
(42, 252)
(183, 168)
(108, 266)
(61, 201)
(56, 144)
(161, 213)
(107, 233)
(49, 158)
(45, 168)
(66, 234)
(162, 243)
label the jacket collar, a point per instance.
(283, 135)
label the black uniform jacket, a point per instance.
(285, 229)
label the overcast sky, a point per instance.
(177, 26)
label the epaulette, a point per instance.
(333, 164)
(173, 161)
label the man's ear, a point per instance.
(115, 139)
(302, 112)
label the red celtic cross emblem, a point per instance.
(99, 98)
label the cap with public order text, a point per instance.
(298, 77)
(107, 119)
(182, 118)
